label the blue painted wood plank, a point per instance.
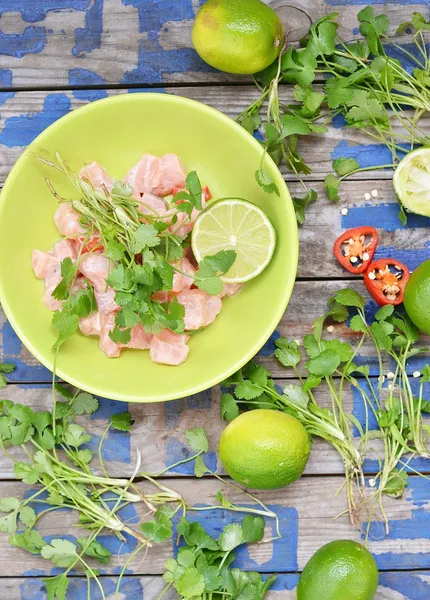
(399, 586)
(151, 36)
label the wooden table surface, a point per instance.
(56, 55)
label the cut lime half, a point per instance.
(235, 225)
(411, 181)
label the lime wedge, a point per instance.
(411, 181)
(235, 225)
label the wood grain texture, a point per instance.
(392, 586)
(86, 42)
(159, 432)
(305, 510)
(24, 115)
(309, 301)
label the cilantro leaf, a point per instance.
(197, 439)
(74, 435)
(127, 318)
(366, 109)
(28, 473)
(229, 407)
(322, 36)
(194, 535)
(301, 203)
(294, 125)
(253, 529)
(221, 262)
(372, 27)
(381, 333)
(287, 352)
(298, 66)
(210, 268)
(121, 189)
(27, 516)
(68, 274)
(84, 404)
(199, 467)
(251, 123)
(384, 312)
(146, 236)
(331, 184)
(194, 188)
(8, 504)
(231, 537)
(120, 336)
(121, 279)
(191, 584)
(344, 166)
(296, 395)
(348, 297)
(266, 182)
(67, 324)
(115, 250)
(61, 552)
(95, 550)
(357, 324)
(56, 587)
(122, 421)
(246, 390)
(7, 368)
(324, 364)
(8, 523)
(30, 540)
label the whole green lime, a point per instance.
(417, 297)
(237, 36)
(341, 570)
(264, 449)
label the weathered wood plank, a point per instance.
(86, 42)
(26, 114)
(159, 433)
(309, 301)
(305, 510)
(392, 586)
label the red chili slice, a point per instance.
(355, 248)
(207, 194)
(386, 280)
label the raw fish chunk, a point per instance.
(181, 282)
(91, 325)
(97, 176)
(140, 340)
(145, 176)
(109, 347)
(213, 308)
(96, 267)
(67, 220)
(168, 348)
(194, 302)
(65, 249)
(172, 176)
(47, 267)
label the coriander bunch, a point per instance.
(374, 91)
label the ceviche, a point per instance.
(123, 269)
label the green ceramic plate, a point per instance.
(116, 132)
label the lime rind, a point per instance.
(235, 225)
(411, 181)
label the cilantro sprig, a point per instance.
(58, 460)
(382, 96)
(332, 363)
(144, 250)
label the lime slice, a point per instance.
(235, 225)
(412, 181)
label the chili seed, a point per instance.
(344, 212)
(374, 193)
(416, 374)
(353, 259)
(330, 328)
(372, 276)
(390, 375)
(366, 256)
(367, 196)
